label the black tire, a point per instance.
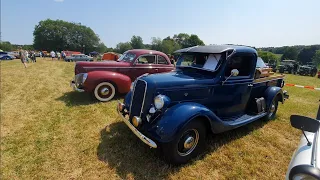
(176, 152)
(272, 111)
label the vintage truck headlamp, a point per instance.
(160, 101)
(136, 121)
(84, 77)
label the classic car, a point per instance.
(287, 66)
(78, 57)
(105, 79)
(305, 162)
(309, 69)
(7, 57)
(213, 89)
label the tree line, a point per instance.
(61, 35)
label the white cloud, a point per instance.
(58, 0)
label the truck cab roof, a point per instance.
(217, 49)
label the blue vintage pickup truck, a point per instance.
(213, 89)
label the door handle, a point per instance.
(250, 85)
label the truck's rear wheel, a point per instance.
(104, 91)
(187, 144)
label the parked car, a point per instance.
(78, 57)
(287, 66)
(7, 57)
(308, 70)
(14, 54)
(212, 90)
(305, 162)
(105, 79)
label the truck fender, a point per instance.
(121, 81)
(176, 117)
(271, 93)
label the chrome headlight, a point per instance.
(160, 101)
(84, 77)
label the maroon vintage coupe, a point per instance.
(105, 79)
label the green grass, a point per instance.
(50, 132)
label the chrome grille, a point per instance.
(137, 100)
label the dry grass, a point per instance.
(50, 132)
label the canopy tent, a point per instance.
(110, 56)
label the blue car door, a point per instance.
(231, 96)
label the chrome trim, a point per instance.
(314, 150)
(149, 66)
(142, 137)
(75, 88)
(144, 95)
(150, 54)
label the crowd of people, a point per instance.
(31, 56)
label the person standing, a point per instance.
(172, 60)
(22, 57)
(52, 54)
(58, 55)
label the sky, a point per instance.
(259, 23)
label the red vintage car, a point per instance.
(105, 79)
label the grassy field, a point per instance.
(50, 132)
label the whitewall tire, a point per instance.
(104, 91)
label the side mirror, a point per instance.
(304, 123)
(234, 72)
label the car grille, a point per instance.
(137, 101)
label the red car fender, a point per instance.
(121, 81)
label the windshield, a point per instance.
(260, 63)
(127, 57)
(208, 62)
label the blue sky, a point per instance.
(250, 22)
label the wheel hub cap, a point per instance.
(189, 142)
(104, 91)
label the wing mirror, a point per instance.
(234, 72)
(305, 124)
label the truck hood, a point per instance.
(178, 79)
(82, 67)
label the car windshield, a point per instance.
(127, 57)
(209, 62)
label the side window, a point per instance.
(162, 60)
(243, 63)
(148, 59)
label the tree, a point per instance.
(123, 47)
(156, 44)
(101, 48)
(61, 35)
(194, 40)
(316, 58)
(182, 39)
(6, 46)
(290, 53)
(307, 54)
(136, 42)
(169, 46)
(268, 57)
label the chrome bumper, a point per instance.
(74, 87)
(142, 137)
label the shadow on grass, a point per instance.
(81, 98)
(121, 150)
(75, 98)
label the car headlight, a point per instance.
(160, 101)
(84, 77)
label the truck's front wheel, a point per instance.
(188, 143)
(271, 114)
(105, 91)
